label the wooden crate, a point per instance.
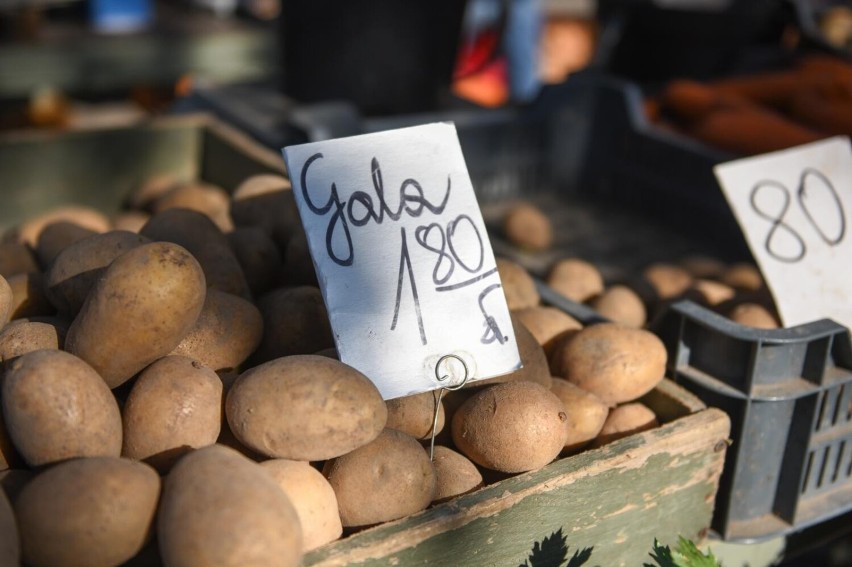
(614, 500)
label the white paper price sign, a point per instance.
(794, 208)
(403, 259)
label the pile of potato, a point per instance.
(170, 391)
(736, 291)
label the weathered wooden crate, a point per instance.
(614, 501)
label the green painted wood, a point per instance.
(616, 499)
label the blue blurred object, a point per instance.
(120, 16)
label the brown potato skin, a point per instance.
(56, 237)
(23, 336)
(175, 406)
(205, 198)
(144, 305)
(546, 323)
(56, 407)
(220, 509)
(626, 420)
(28, 296)
(389, 478)
(535, 367)
(10, 546)
(295, 321)
(455, 473)
(512, 427)
(16, 258)
(258, 256)
(668, 280)
(415, 414)
(753, 315)
(207, 244)
(96, 511)
(622, 305)
(575, 279)
(518, 285)
(267, 201)
(226, 332)
(743, 277)
(616, 363)
(526, 226)
(331, 408)
(76, 268)
(312, 497)
(86, 217)
(5, 301)
(586, 414)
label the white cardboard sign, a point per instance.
(794, 208)
(403, 258)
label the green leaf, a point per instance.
(552, 551)
(686, 554)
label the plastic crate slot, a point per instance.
(826, 400)
(807, 477)
(841, 410)
(841, 457)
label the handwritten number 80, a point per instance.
(779, 224)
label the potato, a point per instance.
(298, 264)
(205, 198)
(626, 420)
(622, 305)
(267, 201)
(28, 296)
(533, 358)
(12, 482)
(93, 511)
(512, 427)
(526, 226)
(703, 267)
(207, 244)
(753, 315)
(331, 408)
(294, 322)
(586, 414)
(220, 509)
(6, 301)
(9, 457)
(226, 332)
(311, 496)
(455, 474)
(545, 323)
(258, 256)
(175, 406)
(743, 277)
(76, 269)
(668, 281)
(614, 362)
(414, 415)
(142, 307)
(22, 336)
(575, 279)
(226, 436)
(451, 402)
(518, 285)
(16, 258)
(146, 193)
(711, 292)
(10, 547)
(86, 217)
(130, 221)
(389, 478)
(56, 407)
(57, 236)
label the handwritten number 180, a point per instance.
(778, 220)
